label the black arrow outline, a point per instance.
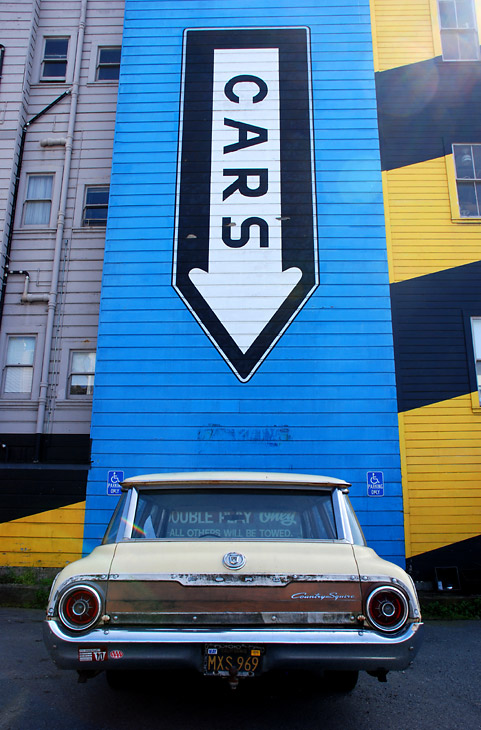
(299, 235)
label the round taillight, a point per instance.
(387, 608)
(79, 607)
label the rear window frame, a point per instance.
(341, 524)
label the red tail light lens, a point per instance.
(387, 608)
(79, 607)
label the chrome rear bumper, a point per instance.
(135, 648)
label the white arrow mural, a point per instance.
(245, 284)
(233, 228)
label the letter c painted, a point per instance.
(229, 88)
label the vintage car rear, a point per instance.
(234, 574)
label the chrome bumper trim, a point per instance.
(166, 648)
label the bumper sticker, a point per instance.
(93, 655)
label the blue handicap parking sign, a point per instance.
(375, 484)
(114, 480)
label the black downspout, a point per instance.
(13, 209)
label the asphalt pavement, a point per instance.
(441, 691)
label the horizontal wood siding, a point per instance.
(324, 399)
(443, 463)
(44, 536)
(434, 271)
(403, 32)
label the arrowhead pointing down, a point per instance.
(245, 307)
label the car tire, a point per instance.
(341, 681)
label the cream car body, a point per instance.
(234, 574)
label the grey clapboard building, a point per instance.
(59, 70)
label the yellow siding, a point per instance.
(407, 32)
(48, 539)
(442, 475)
(423, 238)
(403, 32)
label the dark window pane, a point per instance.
(244, 515)
(464, 161)
(109, 55)
(115, 522)
(478, 197)
(467, 200)
(97, 196)
(449, 39)
(56, 48)
(447, 14)
(477, 159)
(95, 217)
(465, 14)
(109, 64)
(108, 73)
(54, 69)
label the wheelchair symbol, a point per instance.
(114, 480)
(375, 484)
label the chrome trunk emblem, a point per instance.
(234, 561)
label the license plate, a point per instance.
(225, 660)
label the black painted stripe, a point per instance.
(432, 337)
(424, 107)
(461, 561)
(28, 491)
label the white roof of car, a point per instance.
(243, 478)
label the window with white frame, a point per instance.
(96, 205)
(82, 373)
(54, 61)
(108, 63)
(38, 200)
(459, 34)
(467, 164)
(18, 375)
(476, 333)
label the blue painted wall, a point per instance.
(324, 400)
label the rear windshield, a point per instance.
(234, 514)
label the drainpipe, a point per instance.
(52, 303)
(18, 170)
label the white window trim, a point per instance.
(22, 194)
(90, 187)
(456, 216)
(113, 42)
(83, 183)
(70, 345)
(78, 396)
(476, 396)
(37, 363)
(39, 52)
(436, 23)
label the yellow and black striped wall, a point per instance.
(425, 105)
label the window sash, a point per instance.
(19, 365)
(476, 335)
(467, 163)
(96, 206)
(459, 36)
(82, 373)
(54, 63)
(108, 66)
(38, 200)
